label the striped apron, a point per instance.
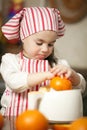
(19, 102)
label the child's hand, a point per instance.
(65, 71)
(49, 75)
(62, 71)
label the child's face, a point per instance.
(39, 45)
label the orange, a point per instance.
(79, 124)
(59, 83)
(31, 120)
(61, 127)
(1, 121)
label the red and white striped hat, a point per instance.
(32, 20)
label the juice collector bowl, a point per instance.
(58, 106)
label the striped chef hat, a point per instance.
(32, 20)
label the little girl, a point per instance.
(38, 28)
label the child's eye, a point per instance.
(39, 43)
(50, 45)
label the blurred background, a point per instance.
(72, 47)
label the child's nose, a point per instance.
(45, 48)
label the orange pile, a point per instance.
(31, 120)
(79, 124)
(61, 127)
(59, 83)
